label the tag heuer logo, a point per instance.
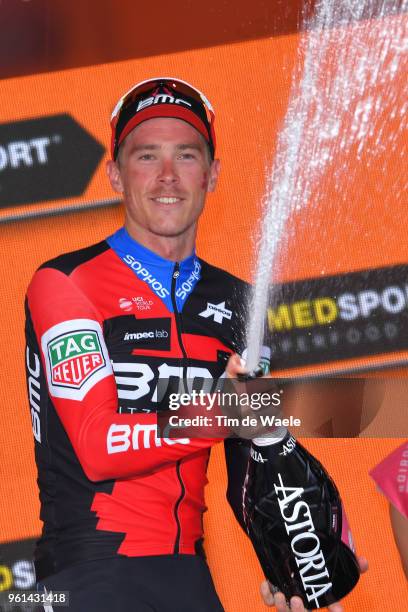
(74, 358)
(218, 311)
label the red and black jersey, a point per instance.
(108, 328)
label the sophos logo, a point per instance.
(187, 286)
(145, 275)
(304, 543)
(347, 307)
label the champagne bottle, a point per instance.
(296, 522)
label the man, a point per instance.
(109, 328)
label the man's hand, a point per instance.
(235, 366)
(296, 604)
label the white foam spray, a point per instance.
(348, 56)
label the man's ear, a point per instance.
(214, 173)
(112, 170)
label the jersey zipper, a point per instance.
(176, 549)
(176, 274)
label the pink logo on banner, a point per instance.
(391, 476)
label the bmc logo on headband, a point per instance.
(160, 99)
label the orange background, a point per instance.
(248, 84)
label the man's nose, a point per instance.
(168, 172)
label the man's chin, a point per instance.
(170, 232)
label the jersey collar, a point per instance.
(156, 271)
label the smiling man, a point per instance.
(164, 171)
(109, 329)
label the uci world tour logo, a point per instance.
(74, 358)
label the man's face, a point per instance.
(164, 172)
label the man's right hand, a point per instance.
(235, 366)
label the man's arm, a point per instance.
(62, 322)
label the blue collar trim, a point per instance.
(156, 271)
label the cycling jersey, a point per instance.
(104, 325)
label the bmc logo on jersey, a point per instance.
(75, 357)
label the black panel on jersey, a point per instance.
(222, 279)
(69, 261)
(124, 333)
(217, 286)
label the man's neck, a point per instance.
(172, 248)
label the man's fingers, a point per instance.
(336, 607)
(280, 602)
(235, 366)
(363, 563)
(296, 604)
(266, 594)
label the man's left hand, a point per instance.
(296, 604)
